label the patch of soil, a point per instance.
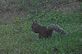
(74, 6)
(9, 16)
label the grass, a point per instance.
(17, 38)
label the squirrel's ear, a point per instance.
(35, 21)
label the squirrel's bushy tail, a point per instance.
(57, 28)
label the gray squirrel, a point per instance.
(45, 32)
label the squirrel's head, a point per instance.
(34, 21)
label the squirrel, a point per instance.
(45, 32)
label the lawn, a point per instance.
(18, 38)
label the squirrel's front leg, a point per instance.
(40, 36)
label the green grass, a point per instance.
(17, 38)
